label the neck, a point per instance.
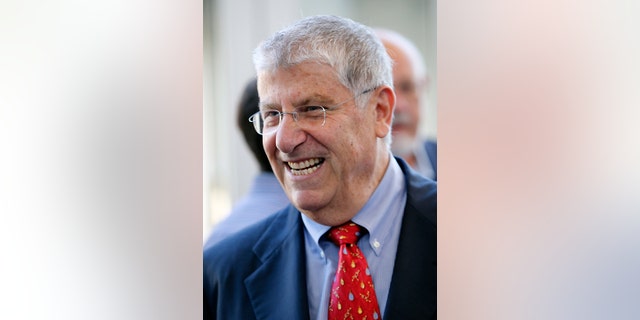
(334, 216)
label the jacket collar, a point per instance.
(412, 294)
(280, 275)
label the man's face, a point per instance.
(407, 113)
(325, 170)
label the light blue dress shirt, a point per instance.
(382, 217)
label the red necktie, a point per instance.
(352, 293)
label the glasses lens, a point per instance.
(269, 121)
(266, 122)
(257, 122)
(311, 117)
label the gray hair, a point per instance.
(351, 49)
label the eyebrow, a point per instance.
(315, 99)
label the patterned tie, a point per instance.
(352, 293)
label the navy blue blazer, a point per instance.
(431, 147)
(260, 272)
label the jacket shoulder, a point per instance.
(237, 249)
(229, 264)
(422, 193)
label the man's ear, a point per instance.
(385, 104)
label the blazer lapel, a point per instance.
(413, 285)
(277, 288)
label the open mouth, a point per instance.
(305, 167)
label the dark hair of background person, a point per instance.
(248, 105)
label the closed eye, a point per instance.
(269, 114)
(310, 109)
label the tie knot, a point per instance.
(347, 233)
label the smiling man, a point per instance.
(359, 238)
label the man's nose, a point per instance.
(289, 135)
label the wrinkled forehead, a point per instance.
(302, 70)
(302, 81)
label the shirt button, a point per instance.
(376, 244)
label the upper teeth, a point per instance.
(304, 164)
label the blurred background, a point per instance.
(232, 29)
(102, 131)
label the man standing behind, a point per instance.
(265, 196)
(359, 238)
(410, 80)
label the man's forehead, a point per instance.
(303, 87)
(307, 69)
(300, 98)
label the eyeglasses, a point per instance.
(307, 117)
